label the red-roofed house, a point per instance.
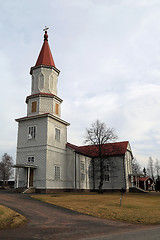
(45, 161)
(145, 183)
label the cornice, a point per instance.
(44, 66)
(49, 95)
(42, 116)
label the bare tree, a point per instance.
(6, 169)
(136, 167)
(98, 135)
(150, 168)
(144, 172)
(157, 167)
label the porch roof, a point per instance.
(24, 166)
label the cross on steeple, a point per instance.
(45, 29)
(45, 35)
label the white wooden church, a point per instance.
(45, 160)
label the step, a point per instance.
(29, 190)
(137, 190)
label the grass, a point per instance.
(136, 208)
(10, 218)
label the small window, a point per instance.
(106, 178)
(57, 134)
(30, 159)
(82, 171)
(57, 108)
(82, 167)
(31, 132)
(90, 171)
(34, 107)
(57, 172)
(106, 167)
(82, 176)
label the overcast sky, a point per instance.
(108, 52)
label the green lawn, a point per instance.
(136, 208)
(9, 218)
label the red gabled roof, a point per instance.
(45, 56)
(109, 149)
(144, 178)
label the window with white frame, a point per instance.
(57, 134)
(90, 171)
(106, 177)
(32, 132)
(106, 167)
(31, 159)
(82, 176)
(82, 166)
(57, 172)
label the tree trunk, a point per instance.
(101, 176)
(100, 190)
(93, 165)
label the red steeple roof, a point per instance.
(45, 56)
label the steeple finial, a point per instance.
(45, 35)
(45, 56)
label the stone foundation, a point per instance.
(74, 190)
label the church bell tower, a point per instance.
(42, 134)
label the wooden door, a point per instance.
(31, 178)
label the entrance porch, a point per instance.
(29, 173)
